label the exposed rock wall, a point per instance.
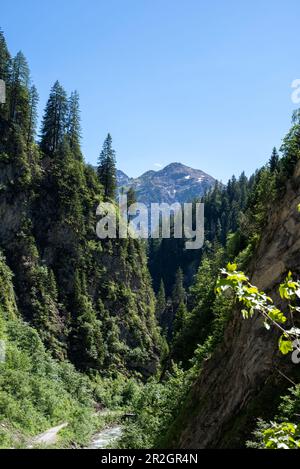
(244, 377)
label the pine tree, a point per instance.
(87, 348)
(32, 118)
(243, 184)
(54, 120)
(107, 169)
(160, 300)
(273, 162)
(5, 60)
(131, 196)
(20, 70)
(180, 319)
(178, 294)
(5, 73)
(19, 90)
(73, 123)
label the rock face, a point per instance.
(174, 183)
(122, 179)
(244, 377)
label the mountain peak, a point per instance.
(175, 182)
(175, 165)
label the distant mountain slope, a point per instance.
(174, 183)
(122, 178)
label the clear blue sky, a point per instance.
(206, 83)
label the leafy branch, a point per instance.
(254, 300)
(285, 435)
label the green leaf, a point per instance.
(245, 313)
(285, 345)
(238, 277)
(276, 315)
(231, 267)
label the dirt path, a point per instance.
(102, 439)
(49, 437)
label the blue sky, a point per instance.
(206, 83)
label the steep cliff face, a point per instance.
(244, 377)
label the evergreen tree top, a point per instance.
(55, 119)
(20, 70)
(106, 169)
(73, 123)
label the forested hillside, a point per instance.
(89, 302)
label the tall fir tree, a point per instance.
(54, 120)
(180, 319)
(5, 59)
(131, 196)
(178, 293)
(5, 74)
(32, 117)
(19, 90)
(73, 124)
(87, 348)
(160, 301)
(274, 160)
(106, 169)
(20, 70)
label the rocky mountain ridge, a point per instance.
(174, 183)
